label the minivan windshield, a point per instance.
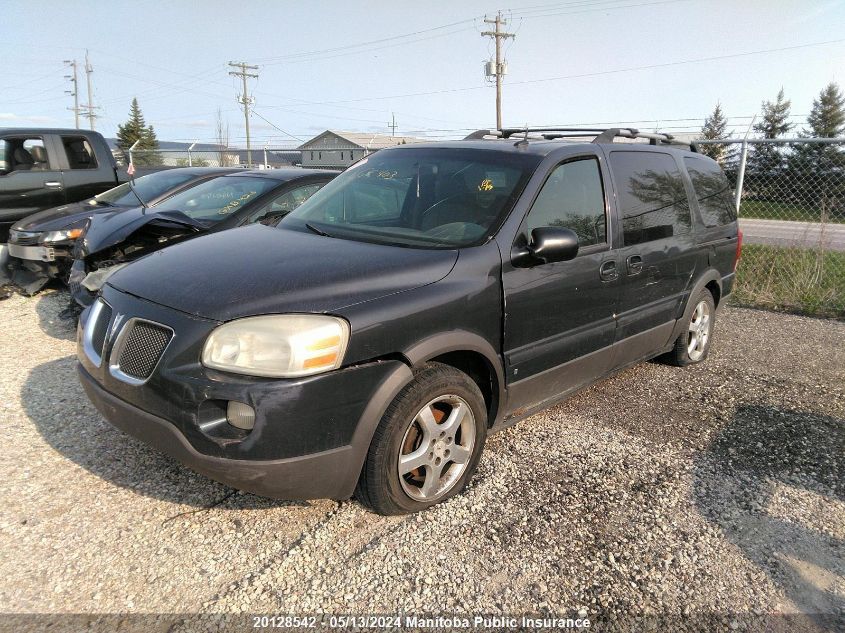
(424, 197)
(147, 187)
(217, 199)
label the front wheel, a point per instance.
(693, 344)
(427, 445)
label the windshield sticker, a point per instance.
(497, 180)
(234, 204)
(486, 185)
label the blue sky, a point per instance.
(317, 71)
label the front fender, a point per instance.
(460, 341)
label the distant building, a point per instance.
(333, 149)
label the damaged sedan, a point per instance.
(109, 241)
(40, 245)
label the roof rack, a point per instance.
(599, 135)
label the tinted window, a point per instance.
(572, 198)
(651, 195)
(147, 187)
(79, 153)
(219, 198)
(24, 154)
(715, 201)
(427, 197)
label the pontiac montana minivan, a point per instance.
(429, 295)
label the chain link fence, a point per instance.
(260, 158)
(792, 215)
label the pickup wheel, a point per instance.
(693, 344)
(427, 445)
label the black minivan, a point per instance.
(429, 295)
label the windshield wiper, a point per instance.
(314, 229)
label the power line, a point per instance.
(590, 8)
(275, 126)
(244, 99)
(582, 75)
(498, 35)
(90, 107)
(30, 81)
(75, 92)
(283, 58)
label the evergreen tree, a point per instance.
(136, 129)
(715, 128)
(774, 123)
(826, 120)
(818, 167)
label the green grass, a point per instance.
(770, 210)
(792, 279)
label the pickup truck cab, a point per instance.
(42, 168)
(428, 295)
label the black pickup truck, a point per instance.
(42, 168)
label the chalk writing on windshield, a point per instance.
(234, 204)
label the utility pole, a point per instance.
(392, 125)
(245, 100)
(75, 92)
(501, 66)
(90, 107)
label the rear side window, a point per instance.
(23, 154)
(652, 198)
(712, 191)
(79, 152)
(572, 198)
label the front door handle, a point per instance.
(608, 272)
(53, 184)
(635, 265)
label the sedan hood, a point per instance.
(108, 229)
(58, 218)
(262, 270)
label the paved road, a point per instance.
(801, 234)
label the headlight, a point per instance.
(69, 234)
(278, 346)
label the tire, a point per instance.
(693, 345)
(454, 402)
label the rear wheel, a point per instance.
(427, 445)
(693, 344)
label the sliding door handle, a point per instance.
(635, 265)
(608, 271)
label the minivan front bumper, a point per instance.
(310, 435)
(315, 476)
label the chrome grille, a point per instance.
(96, 331)
(100, 329)
(141, 349)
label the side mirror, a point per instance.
(548, 244)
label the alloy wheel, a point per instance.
(437, 448)
(699, 331)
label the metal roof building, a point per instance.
(336, 149)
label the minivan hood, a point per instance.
(108, 229)
(263, 270)
(58, 218)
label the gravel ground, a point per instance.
(709, 494)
